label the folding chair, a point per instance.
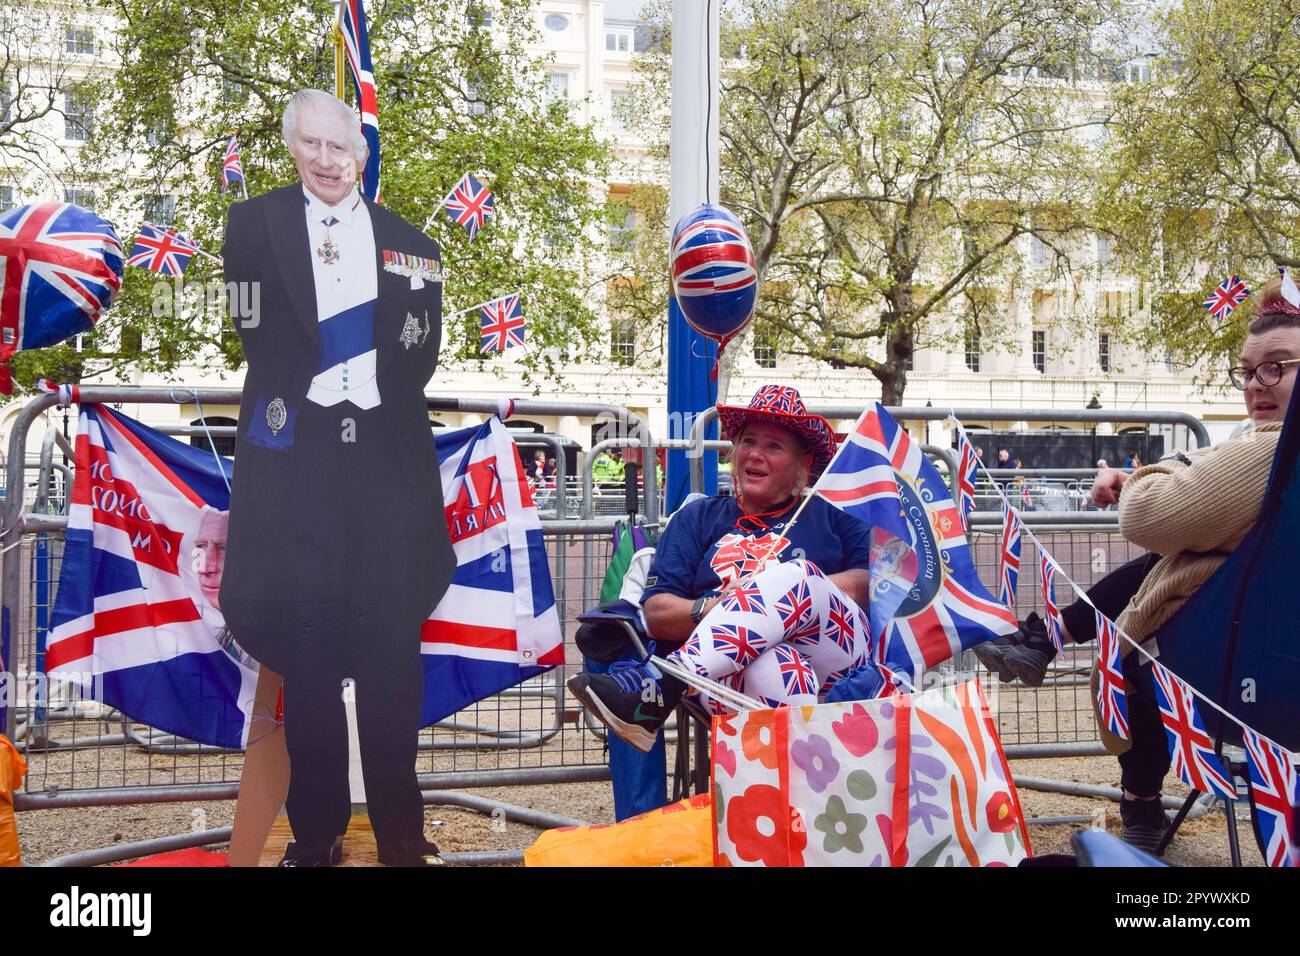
(1237, 639)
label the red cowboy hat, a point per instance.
(782, 406)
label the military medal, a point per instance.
(276, 415)
(327, 252)
(412, 334)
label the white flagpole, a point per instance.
(438, 208)
(479, 306)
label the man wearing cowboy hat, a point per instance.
(708, 557)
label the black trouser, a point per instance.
(380, 649)
(1144, 765)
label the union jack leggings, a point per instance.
(784, 638)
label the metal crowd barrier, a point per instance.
(84, 753)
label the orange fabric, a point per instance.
(12, 771)
(680, 834)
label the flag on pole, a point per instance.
(503, 323)
(1230, 293)
(1112, 705)
(60, 267)
(1055, 626)
(162, 250)
(356, 43)
(1290, 291)
(470, 204)
(967, 469)
(1010, 563)
(1275, 792)
(1190, 746)
(927, 602)
(133, 623)
(232, 169)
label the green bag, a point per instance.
(627, 542)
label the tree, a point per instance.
(1202, 181)
(458, 91)
(891, 162)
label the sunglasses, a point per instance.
(1267, 373)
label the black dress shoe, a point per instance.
(323, 851)
(418, 852)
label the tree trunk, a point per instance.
(893, 372)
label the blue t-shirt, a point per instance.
(705, 546)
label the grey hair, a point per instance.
(324, 101)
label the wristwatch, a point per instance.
(697, 609)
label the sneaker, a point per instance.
(633, 700)
(993, 655)
(1144, 823)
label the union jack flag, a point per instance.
(1055, 626)
(1010, 570)
(1190, 745)
(748, 597)
(967, 469)
(927, 602)
(1275, 792)
(734, 642)
(503, 324)
(356, 46)
(1230, 294)
(796, 611)
(161, 250)
(796, 676)
(232, 170)
(133, 620)
(840, 625)
(470, 204)
(1111, 702)
(60, 267)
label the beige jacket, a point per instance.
(1193, 515)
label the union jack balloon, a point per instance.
(60, 266)
(714, 278)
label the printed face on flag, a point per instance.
(138, 603)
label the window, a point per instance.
(78, 116)
(556, 22)
(477, 18)
(232, 91)
(79, 40)
(1039, 350)
(1136, 71)
(474, 98)
(620, 108)
(1103, 253)
(557, 87)
(622, 341)
(160, 209)
(158, 133)
(1033, 133)
(6, 102)
(973, 347)
(1037, 253)
(225, 444)
(764, 348)
(1103, 351)
(85, 198)
(622, 228)
(618, 41)
(6, 198)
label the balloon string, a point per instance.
(722, 344)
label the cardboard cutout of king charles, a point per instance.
(338, 548)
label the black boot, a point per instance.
(410, 853)
(318, 851)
